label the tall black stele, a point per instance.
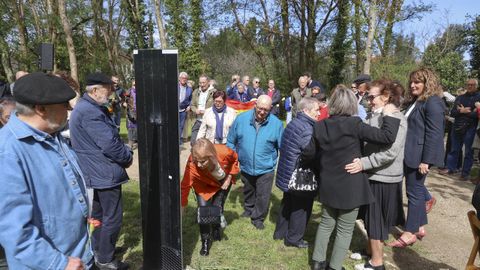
(158, 145)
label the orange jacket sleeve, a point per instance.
(186, 182)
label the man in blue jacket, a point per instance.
(255, 135)
(103, 158)
(184, 100)
(43, 200)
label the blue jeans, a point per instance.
(457, 142)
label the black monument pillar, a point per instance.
(158, 144)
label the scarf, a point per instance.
(219, 121)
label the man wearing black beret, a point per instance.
(43, 205)
(363, 85)
(103, 158)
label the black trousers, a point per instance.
(218, 200)
(108, 208)
(292, 219)
(257, 191)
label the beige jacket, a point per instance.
(209, 124)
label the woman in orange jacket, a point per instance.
(210, 171)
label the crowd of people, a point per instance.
(345, 148)
(352, 142)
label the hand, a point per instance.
(423, 168)
(463, 109)
(354, 167)
(226, 183)
(390, 108)
(477, 104)
(187, 109)
(74, 264)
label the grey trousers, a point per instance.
(257, 190)
(345, 222)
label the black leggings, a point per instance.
(218, 200)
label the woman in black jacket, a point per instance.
(338, 140)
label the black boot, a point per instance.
(206, 244)
(319, 265)
(216, 233)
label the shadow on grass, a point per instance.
(131, 233)
(190, 233)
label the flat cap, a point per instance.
(362, 78)
(98, 78)
(42, 89)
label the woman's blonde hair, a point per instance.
(429, 79)
(204, 149)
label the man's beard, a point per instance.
(52, 125)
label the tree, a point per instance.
(161, 28)
(474, 41)
(136, 26)
(372, 24)
(68, 37)
(339, 46)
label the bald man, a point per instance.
(255, 136)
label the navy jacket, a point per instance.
(188, 98)
(467, 100)
(101, 152)
(295, 138)
(426, 126)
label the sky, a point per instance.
(445, 12)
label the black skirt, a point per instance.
(385, 212)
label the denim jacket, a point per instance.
(43, 201)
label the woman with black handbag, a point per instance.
(298, 193)
(210, 170)
(338, 140)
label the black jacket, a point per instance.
(339, 140)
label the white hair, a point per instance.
(183, 74)
(25, 109)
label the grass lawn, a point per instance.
(243, 247)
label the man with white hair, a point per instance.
(184, 100)
(299, 93)
(255, 135)
(103, 158)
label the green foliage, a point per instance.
(449, 66)
(340, 45)
(474, 41)
(136, 24)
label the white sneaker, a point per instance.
(356, 256)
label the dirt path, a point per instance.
(449, 238)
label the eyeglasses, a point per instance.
(256, 82)
(262, 109)
(371, 97)
(471, 84)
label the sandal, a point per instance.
(400, 243)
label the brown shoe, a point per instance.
(475, 181)
(445, 172)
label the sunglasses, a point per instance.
(371, 97)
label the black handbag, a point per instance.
(209, 214)
(302, 179)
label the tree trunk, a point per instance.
(286, 39)
(311, 37)
(372, 23)
(36, 19)
(338, 46)
(22, 34)
(358, 37)
(301, 60)
(271, 40)
(68, 37)
(51, 13)
(392, 13)
(161, 29)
